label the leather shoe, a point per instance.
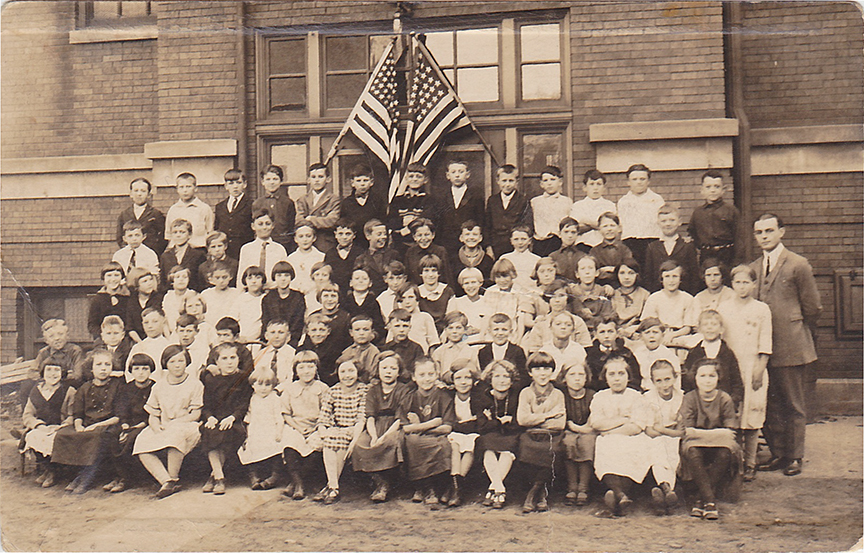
(774, 463)
(793, 468)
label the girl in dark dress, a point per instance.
(88, 442)
(133, 418)
(499, 434)
(379, 448)
(579, 438)
(427, 416)
(226, 399)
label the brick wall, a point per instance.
(644, 62)
(802, 63)
(197, 70)
(66, 241)
(72, 99)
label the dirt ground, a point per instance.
(820, 510)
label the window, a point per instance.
(509, 69)
(346, 70)
(538, 151)
(540, 71)
(101, 13)
(470, 60)
(69, 304)
(286, 75)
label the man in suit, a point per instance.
(456, 204)
(234, 214)
(785, 282)
(504, 211)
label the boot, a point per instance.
(456, 492)
(529, 504)
(299, 492)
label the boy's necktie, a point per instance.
(274, 360)
(132, 260)
(262, 260)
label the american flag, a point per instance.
(373, 119)
(436, 108)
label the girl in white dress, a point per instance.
(174, 406)
(301, 407)
(264, 430)
(622, 453)
(747, 331)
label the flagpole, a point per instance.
(446, 81)
(357, 105)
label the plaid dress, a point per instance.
(340, 411)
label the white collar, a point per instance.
(774, 255)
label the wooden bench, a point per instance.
(15, 372)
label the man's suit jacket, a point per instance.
(193, 259)
(153, 222)
(236, 224)
(323, 216)
(499, 221)
(684, 253)
(790, 291)
(450, 217)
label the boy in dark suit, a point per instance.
(671, 246)
(341, 258)
(152, 220)
(500, 328)
(182, 253)
(364, 203)
(234, 213)
(504, 211)
(456, 204)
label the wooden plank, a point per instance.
(15, 372)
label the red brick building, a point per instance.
(97, 93)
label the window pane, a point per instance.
(540, 150)
(287, 57)
(478, 84)
(135, 9)
(441, 46)
(346, 53)
(292, 159)
(477, 47)
(105, 10)
(540, 43)
(343, 90)
(541, 82)
(287, 93)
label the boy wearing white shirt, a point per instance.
(638, 210)
(521, 257)
(191, 208)
(135, 253)
(588, 210)
(548, 210)
(263, 250)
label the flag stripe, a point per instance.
(373, 119)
